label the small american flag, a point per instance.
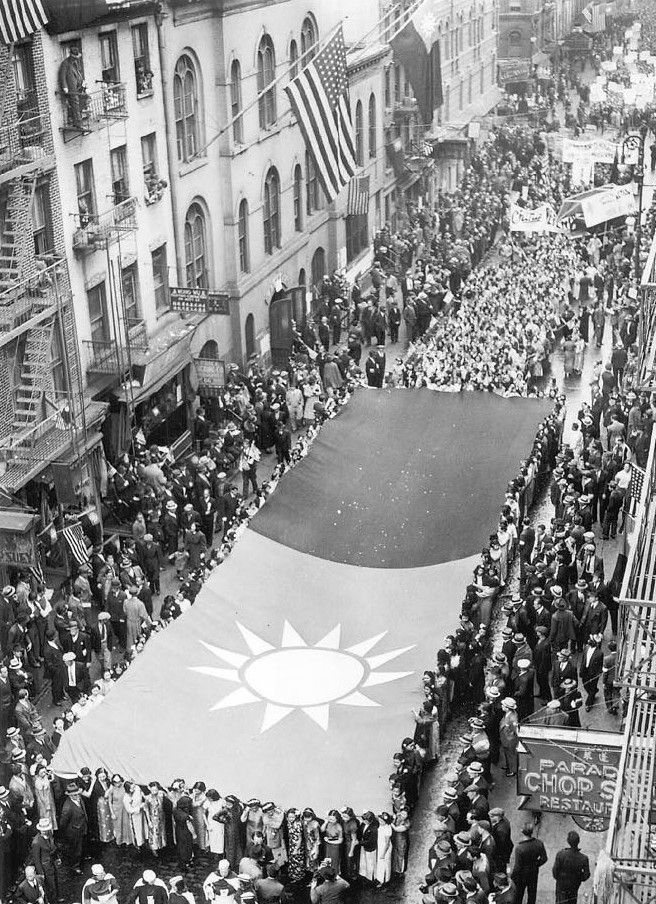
(636, 483)
(74, 538)
(587, 13)
(63, 418)
(20, 18)
(320, 102)
(358, 197)
(37, 573)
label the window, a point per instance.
(119, 163)
(515, 44)
(293, 60)
(185, 101)
(388, 93)
(109, 57)
(23, 60)
(59, 382)
(447, 44)
(86, 195)
(482, 78)
(298, 198)
(42, 220)
(377, 200)
(130, 284)
(271, 211)
(235, 101)
(249, 329)
(357, 238)
(244, 255)
(470, 31)
(150, 164)
(359, 134)
(301, 276)
(97, 302)
(160, 278)
(195, 248)
(313, 187)
(266, 73)
(470, 87)
(142, 73)
(308, 39)
(372, 126)
(461, 94)
(397, 84)
(318, 266)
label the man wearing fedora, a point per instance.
(592, 663)
(508, 736)
(73, 826)
(46, 859)
(530, 855)
(73, 87)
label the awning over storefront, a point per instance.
(157, 371)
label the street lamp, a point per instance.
(637, 143)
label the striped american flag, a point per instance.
(637, 480)
(358, 197)
(74, 537)
(320, 102)
(20, 18)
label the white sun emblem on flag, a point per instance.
(295, 675)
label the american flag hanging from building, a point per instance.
(20, 18)
(74, 537)
(358, 197)
(637, 480)
(320, 102)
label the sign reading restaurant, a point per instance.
(198, 301)
(568, 771)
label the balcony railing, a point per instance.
(27, 297)
(23, 142)
(87, 109)
(97, 230)
(109, 356)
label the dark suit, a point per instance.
(595, 619)
(79, 645)
(73, 826)
(31, 893)
(82, 682)
(530, 855)
(501, 833)
(570, 869)
(54, 663)
(542, 662)
(6, 706)
(590, 672)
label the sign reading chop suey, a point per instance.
(573, 773)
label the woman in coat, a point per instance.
(184, 831)
(195, 545)
(120, 816)
(215, 816)
(368, 846)
(134, 804)
(43, 794)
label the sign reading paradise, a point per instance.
(568, 771)
(198, 301)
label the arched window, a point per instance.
(308, 39)
(244, 251)
(210, 350)
(266, 73)
(235, 101)
(447, 42)
(318, 266)
(271, 211)
(195, 242)
(298, 198)
(359, 134)
(470, 31)
(313, 188)
(301, 276)
(249, 330)
(186, 106)
(293, 60)
(515, 44)
(373, 149)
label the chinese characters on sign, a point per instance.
(570, 772)
(199, 301)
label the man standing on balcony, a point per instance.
(73, 86)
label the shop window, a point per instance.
(97, 301)
(86, 192)
(308, 40)
(130, 284)
(249, 330)
(143, 75)
(119, 167)
(160, 278)
(357, 238)
(42, 221)
(373, 149)
(271, 211)
(359, 134)
(195, 242)
(244, 252)
(298, 198)
(235, 101)
(266, 73)
(109, 69)
(187, 109)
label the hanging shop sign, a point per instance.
(17, 539)
(211, 375)
(198, 301)
(567, 771)
(514, 71)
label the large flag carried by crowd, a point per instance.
(294, 674)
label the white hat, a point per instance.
(69, 657)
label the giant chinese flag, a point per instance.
(293, 676)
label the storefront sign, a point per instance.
(211, 373)
(17, 549)
(568, 771)
(199, 301)
(514, 71)
(538, 219)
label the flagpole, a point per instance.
(320, 43)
